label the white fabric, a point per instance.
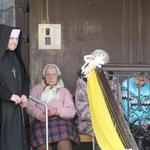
(51, 92)
(99, 52)
(15, 33)
(96, 59)
(59, 73)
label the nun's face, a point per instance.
(51, 76)
(12, 43)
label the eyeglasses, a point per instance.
(51, 75)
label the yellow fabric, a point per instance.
(105, 132)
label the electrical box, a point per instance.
(49, 36)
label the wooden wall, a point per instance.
(121, 27)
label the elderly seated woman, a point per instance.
(136, 105)
(61, 110)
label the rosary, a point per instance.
(14, 72)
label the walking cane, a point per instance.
(42, 103)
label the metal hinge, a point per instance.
(25, 7)
(26, 38)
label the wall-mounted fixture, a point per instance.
(49, 36)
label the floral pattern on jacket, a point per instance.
(83, 120)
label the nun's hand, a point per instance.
(16, 99)
(24, 101)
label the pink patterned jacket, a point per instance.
(64, 105)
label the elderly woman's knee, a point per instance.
(64, 145)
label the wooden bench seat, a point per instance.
(85, 138)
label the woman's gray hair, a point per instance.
(99, 52)
(51, 66)
(142, 74)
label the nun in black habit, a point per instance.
(14, 90)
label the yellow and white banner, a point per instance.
(104, 129)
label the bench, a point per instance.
(85, 138)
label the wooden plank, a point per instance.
(85, 138)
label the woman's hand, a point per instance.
(15, 98)
(145, 126)
(24, 101)
(52, 112)
(42, 117)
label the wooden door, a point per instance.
(22, 21)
